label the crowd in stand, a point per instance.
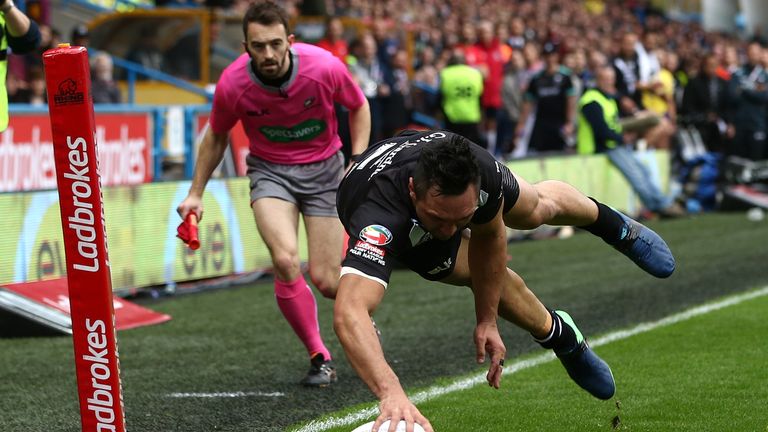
(536, 59)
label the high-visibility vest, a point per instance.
(461, 87)
(585, 143)
(3, 73)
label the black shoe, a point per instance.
(321, 373)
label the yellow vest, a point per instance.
(585, 139)
(461, 87)
(3, 72)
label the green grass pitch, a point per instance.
(706, 373)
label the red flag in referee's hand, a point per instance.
(187, 231)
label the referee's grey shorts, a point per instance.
(312, 187)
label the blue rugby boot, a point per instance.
(584, 367)
(645, 248)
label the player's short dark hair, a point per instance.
(265, 13)
(446, 164)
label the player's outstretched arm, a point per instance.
(488, 270)
(208, 158)
(356, 299)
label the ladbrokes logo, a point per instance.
(68, 94)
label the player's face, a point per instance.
(443, 215)
(268, 46)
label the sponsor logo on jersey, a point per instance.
(442, 267)
(369, 252)
(304, 131)
(376, 235)
(387, 159)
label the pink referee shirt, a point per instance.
(293, 124)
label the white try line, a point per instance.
(517, 366)
(236, 394)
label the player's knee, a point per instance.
(286, 264)
(326, 283)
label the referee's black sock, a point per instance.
(561, 338)
(609, 224)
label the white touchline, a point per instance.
(510, 368)
(226, 394)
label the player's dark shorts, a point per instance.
(312, 187)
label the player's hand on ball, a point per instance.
(399, 407)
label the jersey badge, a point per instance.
(376, 235)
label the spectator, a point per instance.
(512, 90)
(658, 97)
(749, 101)
(516, 34)
(461, 87)
(370, 74)
(183, 58)
(534, 63)
(627, 68)
(37, 93)
(705, 105)
(80, 36)
(426, 81)
(104, 89)
(600, 132)
(398, 104)
(729, 63)
(488, 57)
(580, 71)
(387, 43)
(146, 52)
(552, 95)
(333, 40)
(21, 35)
(34, 59)
(18, 89)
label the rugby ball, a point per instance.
(368, 427)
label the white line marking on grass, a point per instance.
(517, 366)
(236, 394)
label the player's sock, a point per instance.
(297, 303)
(609, 224)
(562, 338)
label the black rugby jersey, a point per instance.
(375, 207)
